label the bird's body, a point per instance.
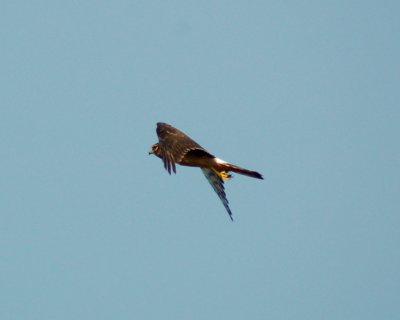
(176, 147)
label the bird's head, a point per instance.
(155, 149)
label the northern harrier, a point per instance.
(174, 146)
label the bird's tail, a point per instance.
(249, 173)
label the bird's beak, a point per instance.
(150, 151)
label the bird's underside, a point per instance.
(175, 147)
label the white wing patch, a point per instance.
(220, 161)
(218, 185)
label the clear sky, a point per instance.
(306, 92)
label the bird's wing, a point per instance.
(218, 185)
(174, 145)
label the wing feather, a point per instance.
(218, 185)
(174, 145)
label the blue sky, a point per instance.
(306, 93)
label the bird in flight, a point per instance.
(175, 147)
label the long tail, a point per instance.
(249, 173)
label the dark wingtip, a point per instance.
(258, 175)
(229, 213)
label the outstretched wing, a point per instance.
(174, 145)
(218, 185)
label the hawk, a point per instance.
(175, 147)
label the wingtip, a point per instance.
(257, 175)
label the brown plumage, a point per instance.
(175, 147)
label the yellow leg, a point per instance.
(224, 175)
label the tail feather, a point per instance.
(249, 173)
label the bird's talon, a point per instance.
(224, 175)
